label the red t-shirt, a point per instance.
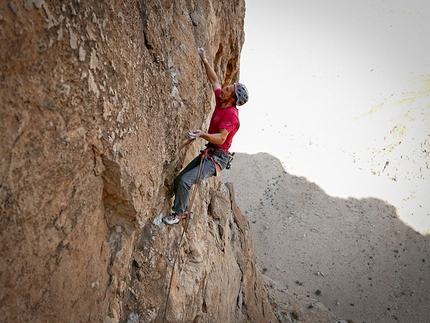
(224, 118)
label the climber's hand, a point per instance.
(194, 134)
(202, 53)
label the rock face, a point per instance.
(215, 278)
(96, 98)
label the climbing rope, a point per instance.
(193, 195)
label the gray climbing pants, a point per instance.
(187, 178)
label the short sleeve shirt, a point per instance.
(224, 118)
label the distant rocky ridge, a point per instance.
(96, 98)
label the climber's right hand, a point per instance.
(202, 53)
(194, 134)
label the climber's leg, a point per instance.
(185, 180)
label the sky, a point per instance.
(340, 93)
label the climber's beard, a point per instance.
(220, 98)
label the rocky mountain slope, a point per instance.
(354, 255)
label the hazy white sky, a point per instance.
(332, 83)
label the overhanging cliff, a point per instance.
(96, 98)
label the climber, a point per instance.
(222, 128)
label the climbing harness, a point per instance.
(215, 150)
(205, 153)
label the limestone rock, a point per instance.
(96, 98)
(215, 277)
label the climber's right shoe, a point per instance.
(174, 218)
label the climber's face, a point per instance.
(227, 93)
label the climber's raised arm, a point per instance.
(213, 78)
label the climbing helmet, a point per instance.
(241, 93)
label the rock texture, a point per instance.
(215, 278)
(96, 98)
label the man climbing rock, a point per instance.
(222, 128)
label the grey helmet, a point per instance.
(241, 93)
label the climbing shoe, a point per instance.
(174, 218)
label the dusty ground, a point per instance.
(353, 255)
